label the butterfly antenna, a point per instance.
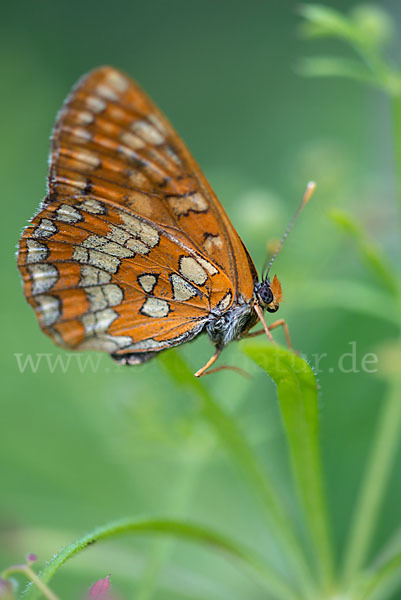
(310, 188)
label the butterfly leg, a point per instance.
(206, 371)
(266, 329)
(209, 363)
(229, 368)
(280, 323)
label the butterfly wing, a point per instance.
(102, 278)
(131, 251)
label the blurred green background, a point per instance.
(79, 449)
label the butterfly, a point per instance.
(131, 252)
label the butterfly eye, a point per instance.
(264, 293)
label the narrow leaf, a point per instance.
(238, 448)
(335, 66)
(298, 398)
(371, 254)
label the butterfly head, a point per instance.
(269, 294)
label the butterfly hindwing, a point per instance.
(109, 280)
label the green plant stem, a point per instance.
(191, 531)
(180, 498)
(298, 398)
(374, 483)
(391, 547)
(234, 441)
(35, 579)
(380, 579)
(384, 73)
(396, 105)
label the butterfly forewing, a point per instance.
(131, 251)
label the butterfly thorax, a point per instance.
(235, 323)
(232, 325)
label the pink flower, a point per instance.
(6, 590)
(100, 589)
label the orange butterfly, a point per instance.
(131, 252)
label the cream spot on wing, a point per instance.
(104, 342)
(225, 302)
(155, 307)
(106, 92)
(48, 308)
(96, 259)
(148, 344)
(155, 119)
(98, 242)
(114, 294)
(93, 206)
(211, 269)
(84, 117)
(145, 232)
(96, 298)
(68, 214)
(103, 296)
(96, 325)
(131, 140)
(158, 158)
(45, 229)
(95, 104)
(93, 276)
(117, 81)
(138, 246)
(83, 135)
(88, 158)
(191, 269)
(36, 252)
(173, 155)
(212, 243)
(182, 290)
(43, 277)
(78, 182)
(98, 321)
(116, 234)
(147, 282)
(124, 238)
(182, 205)
(147, 132)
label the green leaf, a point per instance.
(378, 581)
(323, 21)
(366, 29)
(365, 26)
(371, 254)
(380, 461)
(190, 531)
(298, 398)
(238, 448)
(396, 106)
(334, 66)
(373, 23)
